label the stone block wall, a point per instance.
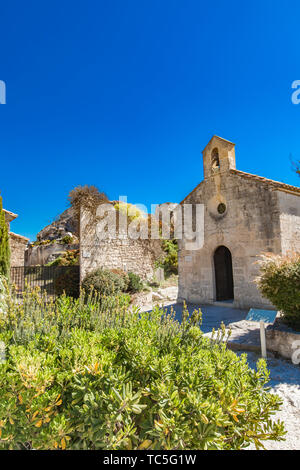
(289, 206)
(283, 340)
(124, 253)
(129, 255)
(18, 245)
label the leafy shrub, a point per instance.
(4, 244)
(67, 281)
(67, 239)
(124, 276)
(85, 375)
(170, 261)
(68, 258)
(132, 212)
(104, 282)
(3, 294)
(279, 282)
(43, 242)
(135, 283)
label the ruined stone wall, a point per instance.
(40, 255)
(249, 226)
(18, 246)
(138, 256)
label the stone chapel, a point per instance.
(244, 216)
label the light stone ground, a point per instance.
(285, 382)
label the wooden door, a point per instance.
(223, 273)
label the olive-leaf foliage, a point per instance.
(4, 295)
(93, 373)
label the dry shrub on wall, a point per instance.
(88, 197)
(279, 282)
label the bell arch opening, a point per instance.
(215, 160)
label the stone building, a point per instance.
(244, 215)
(18, 243)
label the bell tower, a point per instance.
(218, 156)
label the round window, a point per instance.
(221, 208)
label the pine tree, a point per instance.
(4, 244)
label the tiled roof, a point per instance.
(10, 214)
(16, 235)
(275, 184)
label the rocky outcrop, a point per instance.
(65, 224)
(18, 245)
(54, 240)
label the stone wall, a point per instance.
(289, 206)
(249, 226)
(283, 340)
(18, 245)
(138, 256)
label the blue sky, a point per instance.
(125, 94)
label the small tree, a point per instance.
(88, 197)
(296, 166)
(4, 244)
(279, 282)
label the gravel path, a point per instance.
(285, 382)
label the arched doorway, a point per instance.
(223, 273)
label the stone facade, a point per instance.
(245, 213)
(124, 253)
(18, 243)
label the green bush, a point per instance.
(68, 258)
(135, 283)
(67, 281)
(4, 244)
(170, 262)
(124, 276)
(279, 282)
(80, 374)
(3, 294)
(67, 239)
(104, 282)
